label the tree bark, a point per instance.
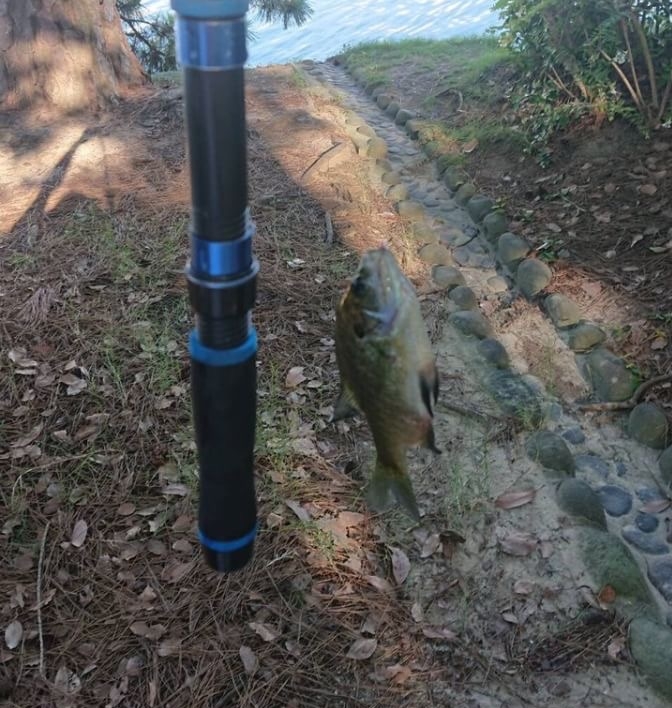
(69, 55)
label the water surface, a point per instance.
(336, 23)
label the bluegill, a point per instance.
(387, 371)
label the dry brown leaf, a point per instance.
(13, 634)
(362, 649)
(74, 384)
(79, 533)
(519, 543)
(126, 509)
(295, 377)
(378, 583)
(175, 489)
(616, 647)
(174, 572)
(249, 659)
(152, 632)
(416, 612)
(509, 617)
(431, 545)
(607, 595)
(401, 566)
(439, 633)
(156, 547)
(656, 506)
(293, 648)
(397, 674)
(523, 587)
(305, 446)
(514, 499)
(274, 520)
(169, 647)
(300, 511)
(267, 633)
(182, 546)
(29, 437)
(183, 523)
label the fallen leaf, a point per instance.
(175, 489)
(378, 583)
(519, 543)
(416, 612)
(470, 146)
(168, 647)
(636, 239)
(126, 509)
(152, 632)
(268, 634)
(13, 634)
(371, 624)
(79, 533)
(616, 647)
(295, 377)
(656, 506)
(430, 546)
(249, 659)
(73, 383)
(182, 546)
(298, 510)
(514, 499)
(274, 520)
(134, 666)
(509, 617)
(607, 595)
(397, 674)
(439, 633)
(554, 228)
(362, 649)
(304, 446)
(175, 572)
(648, 189)
(293, 648)
(523, 587)
(29, 438)
(401, 566)
(67, 681)
(659, 343)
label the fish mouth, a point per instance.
(384, 318)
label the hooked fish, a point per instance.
(387, 371)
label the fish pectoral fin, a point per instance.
(345, 406)
(429, 386)
(388, 483)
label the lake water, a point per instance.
(336, 23)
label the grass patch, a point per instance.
(464, 64)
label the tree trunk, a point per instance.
(69, 55)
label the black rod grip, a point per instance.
(224, 405)
(215, 113)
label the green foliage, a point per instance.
(609, 55)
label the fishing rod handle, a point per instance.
(221, 275)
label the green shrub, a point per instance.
(611, 55)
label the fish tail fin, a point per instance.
(388, 481)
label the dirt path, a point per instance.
(480, 605)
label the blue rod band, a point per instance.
(220, 258)
(228, 546)
(218, 9)
(210, 44)
(222, 357)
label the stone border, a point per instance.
(609, 559)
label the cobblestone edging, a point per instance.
(605, 484)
